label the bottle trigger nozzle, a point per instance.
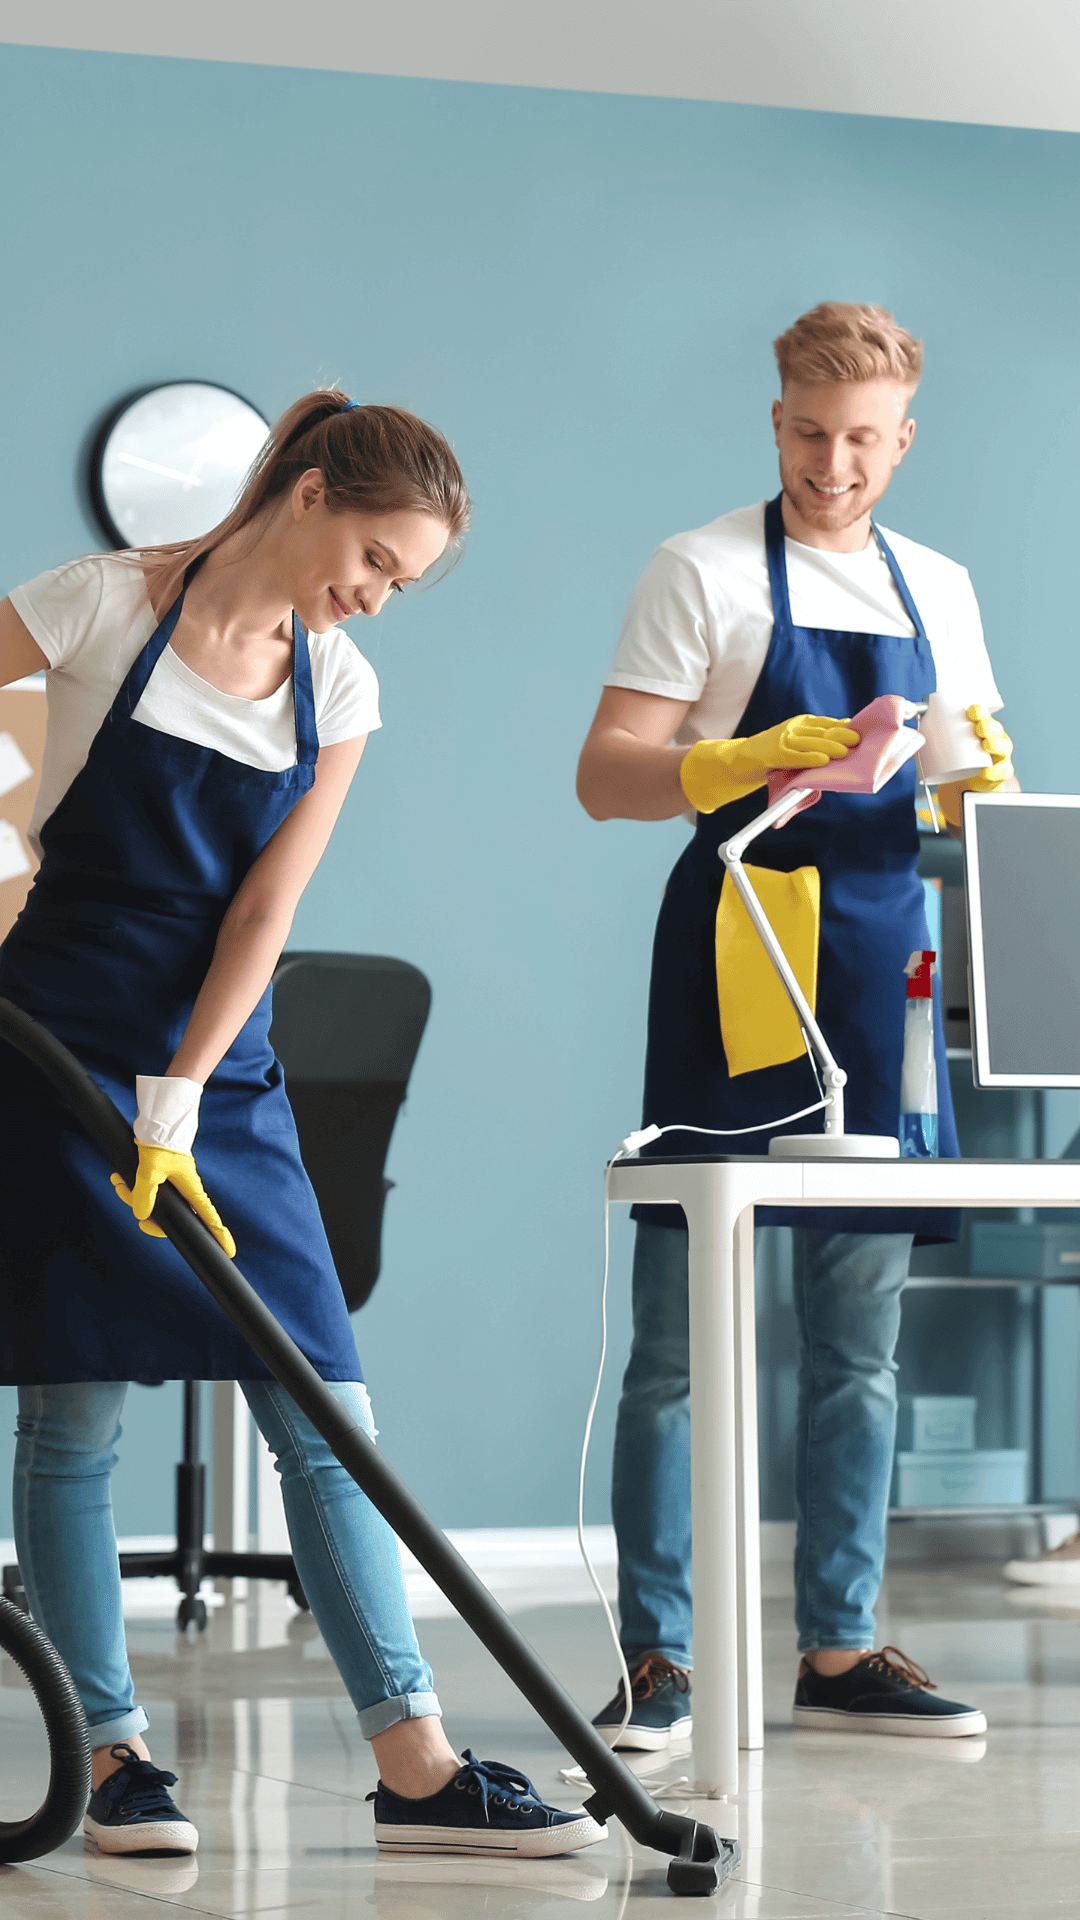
(920, 974)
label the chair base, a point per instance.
(189, 1570)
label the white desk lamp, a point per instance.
(949, 736)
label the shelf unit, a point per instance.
(1019, 1124)
(959, 1331)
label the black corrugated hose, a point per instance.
(702, 1860)
(69, 1740)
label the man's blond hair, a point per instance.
(840, 341)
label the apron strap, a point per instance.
(776, 559)
(307, 733)
(900, 583)
(134, 686)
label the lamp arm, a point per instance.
(731, 854)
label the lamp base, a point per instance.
(834, 1146)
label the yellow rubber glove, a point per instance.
(158, 1164)
(993, 740)
(716, 771)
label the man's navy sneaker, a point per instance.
(882, 1693)
(485, 1808)
(660, 1695)
(131, 1812)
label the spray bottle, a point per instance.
(918, 1075)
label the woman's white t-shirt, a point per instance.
(92, 619)
(700, 619)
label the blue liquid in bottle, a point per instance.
(918, 1136)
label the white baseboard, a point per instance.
(522, 1566)
(542, 1566)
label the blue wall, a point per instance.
(581, 291)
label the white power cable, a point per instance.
(589, 1568)
(626, 1147)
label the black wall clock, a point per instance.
(169, 461)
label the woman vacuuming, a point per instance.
(206, 718)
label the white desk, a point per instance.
(718, 1196)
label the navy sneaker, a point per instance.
(131, 1812)
(882, 1693)
(660, 1713)
(485, 1808)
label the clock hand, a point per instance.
(152, 466)
(212, 433)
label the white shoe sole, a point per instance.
(644, 1739)
(530, 1844)
(955, 1726)
(1043, 1573)
(153, 1836)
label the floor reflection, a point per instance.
(272, 1769)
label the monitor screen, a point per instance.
(1022, 873)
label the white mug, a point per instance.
(952, 750)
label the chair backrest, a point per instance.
(346, 1029)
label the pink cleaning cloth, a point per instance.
(884, 745)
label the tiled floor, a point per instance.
(274, 1773)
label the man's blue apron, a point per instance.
(140, 861)
(865, 847)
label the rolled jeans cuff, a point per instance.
(407, 1706)
(833, 1643)
(122, 1726)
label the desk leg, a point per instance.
(748, 1497)
(713, 1500)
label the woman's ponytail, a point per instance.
(374, 460)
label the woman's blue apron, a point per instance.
(865, 847)
(140, 861)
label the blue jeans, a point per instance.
(847, 1307)
(346, 1555)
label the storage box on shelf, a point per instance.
(989, 1477)
(1034, 1252)
(938, 1464)
(936, 1422)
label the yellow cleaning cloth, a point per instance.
(759, 1025)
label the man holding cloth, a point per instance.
(745, 645)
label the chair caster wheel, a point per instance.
(297, 1594)
(704, 1862)
(191, 1613)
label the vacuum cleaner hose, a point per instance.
(69, 1741)
(702, 1859)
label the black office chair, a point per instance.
(347, 1027)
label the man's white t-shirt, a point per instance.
(92, 619)
(700, 619)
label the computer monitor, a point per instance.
(1022, 874)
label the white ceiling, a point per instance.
(1006, 62)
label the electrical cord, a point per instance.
(625, 1148)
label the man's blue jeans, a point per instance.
(346, 1555)
(847, 1306)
